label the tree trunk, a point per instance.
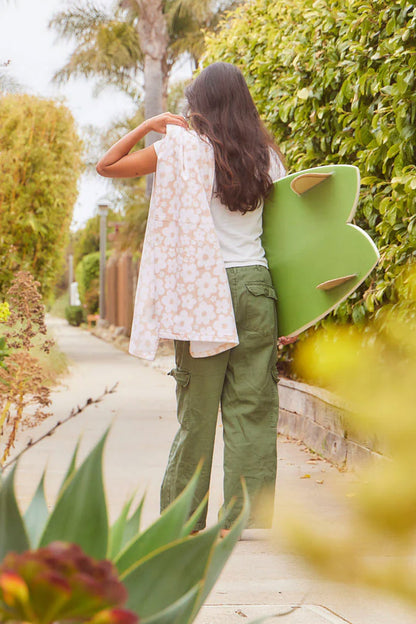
(154, 41)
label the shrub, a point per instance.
(24, 395)
(335, 82)
(39, 168)
(87, 273)
(74, 315)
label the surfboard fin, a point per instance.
(333, 283)
(305, 181)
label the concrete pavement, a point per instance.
(258, 579)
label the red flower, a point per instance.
(59, 583)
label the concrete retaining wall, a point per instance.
(319, 419)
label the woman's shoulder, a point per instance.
(176, 136)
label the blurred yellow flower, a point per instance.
(373, 370)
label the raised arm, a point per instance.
(119, 163)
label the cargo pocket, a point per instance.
(261, 308)
(275, 374)
(182, 378)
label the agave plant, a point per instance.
(167, 571)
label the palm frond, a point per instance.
(80, 21)
(107, 49)
(8, 83)
(189, 20)
(198, 9)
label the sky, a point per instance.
(35, 54)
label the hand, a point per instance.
(285, 340)
(159, 122)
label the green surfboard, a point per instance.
(317, 258)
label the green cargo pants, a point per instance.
(243, 381)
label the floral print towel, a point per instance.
(183, 290)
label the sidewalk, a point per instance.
(256, 580)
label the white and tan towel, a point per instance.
(183, 291)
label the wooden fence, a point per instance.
(121, 280)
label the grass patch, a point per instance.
(57, 308)
(55, 364)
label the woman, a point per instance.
(241, 380)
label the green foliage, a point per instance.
(4, 312)
(60, 302)
(335, 82)
(74, 315)
(108, 46)
(4, 315)
(39, 167)
(167, 571)
(87, 239)
(87, 275)
(3, 350)
(176, 97)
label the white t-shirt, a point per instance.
(239, 234)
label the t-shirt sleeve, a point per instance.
(157, 145)
(277, 169)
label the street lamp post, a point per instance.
(103, 207)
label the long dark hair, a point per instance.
(221, 108)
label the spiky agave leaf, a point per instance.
(174, 569)
(37, 513)
(222, 552)
(174, 613)
(167, 528)
(13, 534)
(80, 513)
(132, 526)
(186, 563)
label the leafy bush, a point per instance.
(74, 315)
(87, 274)
(39, 167)
(86, 239)
(335, 82)
(167, 571)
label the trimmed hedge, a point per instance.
(335, 82)
(87, 274)
(40, 163)
(74, 315)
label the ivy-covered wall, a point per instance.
(40, 162)
(335, 82)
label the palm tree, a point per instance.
(138, 38)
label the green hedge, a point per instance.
(87, 274)
(74, 315)
(40, 163)
(335, 82)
